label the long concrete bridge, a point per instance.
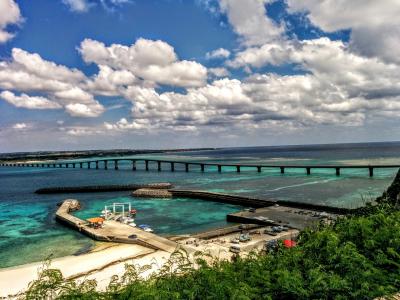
(189, 165)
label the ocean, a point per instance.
(28, 232)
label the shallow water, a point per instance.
(29, 233)
(169, 216)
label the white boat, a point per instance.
(128, 220)
(105, 213)
(132, 224)
(146, 228)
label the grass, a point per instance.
(358, 257)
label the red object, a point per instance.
(133, 211)
(289, 243)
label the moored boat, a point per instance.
(146, 228)
(127, 220)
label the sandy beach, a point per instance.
(99, 265)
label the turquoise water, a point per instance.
(169, 216)
(29, 233)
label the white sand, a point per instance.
(103, 264)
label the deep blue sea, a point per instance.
(29, 233)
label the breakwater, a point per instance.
(224, 198)
(194, 194)
(101, 188)
(255, 202)
(154, 189)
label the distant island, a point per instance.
(54, 155)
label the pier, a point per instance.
(112, 231)
(188, 166)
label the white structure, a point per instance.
(117, 208)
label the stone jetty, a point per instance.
(152, 193)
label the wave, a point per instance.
(301, 184)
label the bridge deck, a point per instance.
(58, 163)
(219, 165)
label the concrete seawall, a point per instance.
(254, 202)
(225, 198)
(316, 207)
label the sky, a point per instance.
(162, 74)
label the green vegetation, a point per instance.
(358, 257)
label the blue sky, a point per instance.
(81, 74)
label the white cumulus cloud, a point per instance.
(374, 25)
(248, 19)
(218, 53)
(333, 83)
(79, 131)
(29, 102)
(20, 126)
(153, 61)
(219, 72)
(9, 14)
(84, 110)
(60, 86)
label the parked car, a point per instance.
(133, 236)
(244, 237)
(270, 232)
(234, 249)
(235, 241)
(270, 245)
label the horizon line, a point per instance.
(211, 148)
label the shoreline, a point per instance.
(101, 246)
(104, 261)
(95, 264)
